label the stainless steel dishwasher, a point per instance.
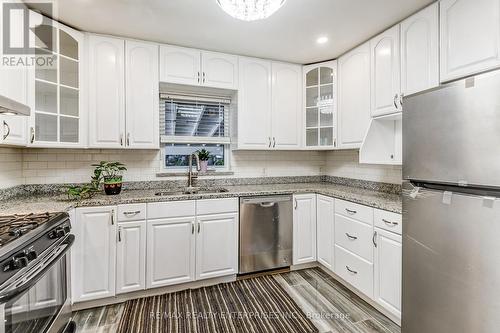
(266, 231)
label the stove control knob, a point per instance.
(58, 232)
(18, 262)
(31, 254)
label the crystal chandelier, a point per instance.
(250, 10)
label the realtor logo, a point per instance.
(27, 36)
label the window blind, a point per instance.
(191, 119)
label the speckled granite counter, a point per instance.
(55, 203)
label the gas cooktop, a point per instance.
(14, 226)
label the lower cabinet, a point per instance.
(388, 270)
(131, 257)
(93, 255)
(304, 228)
(171, 251)
(325, 221)
(355, 270)
(216, 245)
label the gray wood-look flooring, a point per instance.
(328, 304)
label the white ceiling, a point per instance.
(289, 35)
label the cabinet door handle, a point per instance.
(269, 139)
(120, 234)
(389, 223)
(198, 77)
(203, 77)
(274, 142)
(351, 237)
(350, 270)
(374, 239)
(128, 139)
(395, 98)
(8, 130)
(192, 228)
(352, 212)
(112, 217)
(401, 100)
(131, 213)
(199, 226)
(295, 204)
(121, 139)
(32, 134)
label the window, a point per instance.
(191, 123)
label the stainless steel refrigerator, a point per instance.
(451, 208)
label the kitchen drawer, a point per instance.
(354, 211)
(354, 236)
(158, 210)
(354, 270)
(216, 206)
(388, 221)
(132, 212)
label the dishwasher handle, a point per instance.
(266, 201)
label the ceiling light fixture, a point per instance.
(322, 40)
(250, 10)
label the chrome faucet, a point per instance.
(191, 175)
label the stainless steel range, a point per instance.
(34, 273)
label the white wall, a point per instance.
(44, 166)
(344, 163)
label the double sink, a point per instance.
(193, 190)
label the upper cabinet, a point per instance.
(320, 105)
(385, 73)
(420, 51)
(106, 92)
(286, 119)
(470, 37)
(123, 93)
(194, 67)
(55, 92)
(354, 97)
(254, 104)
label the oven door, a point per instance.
(35, 301)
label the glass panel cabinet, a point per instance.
(320, 105)
(55, 95)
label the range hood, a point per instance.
(10, 107)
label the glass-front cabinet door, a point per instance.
(55, 87)
(320, 105)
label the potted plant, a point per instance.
(204, 156)
(111, 174)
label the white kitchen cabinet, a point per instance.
(13, 130)
(286, 106)
(106, 92)
(219, 70)
(388, 271)
(180, 65)
(470, 37)
(354, 270)
(170, 251)
(142, 95)
(385, 73)
(304, 228)
(131, 257)
(320, 105)
(354, 97)
(325, 230)
(420, 51)
(57, 94)
(216, 245)
(93, 255)
(254, 104)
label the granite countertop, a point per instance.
(59, 203)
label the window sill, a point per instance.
(184, 173)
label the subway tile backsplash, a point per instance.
(46, 166)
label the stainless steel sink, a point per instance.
(192, 190)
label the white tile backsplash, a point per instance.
(42, 166)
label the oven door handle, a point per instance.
(38, 272)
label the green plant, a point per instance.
(82, 192)
(108, 171)
(203, 155)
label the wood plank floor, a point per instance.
(328, 304)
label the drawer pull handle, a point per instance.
(120, 234)
(192, 228)
(350, 270)
(374, 239)
(350, 211)
(351, 237)
(389, 223)
(132, 213)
